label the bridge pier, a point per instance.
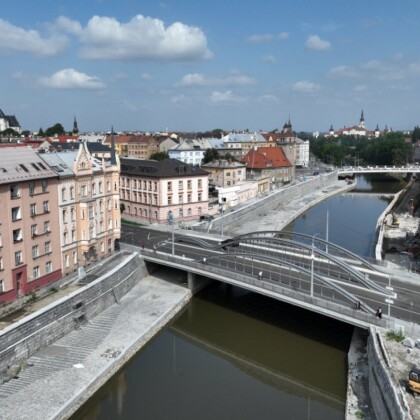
(196, 284)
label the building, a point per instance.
(268, 162)
(97, 150)
(9, 121)
(151, 189)
(88, 205)
(225, 173)
(238, 144)
(29, 223)
(358, 130)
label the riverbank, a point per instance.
(63, 376)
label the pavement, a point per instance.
(61, 377)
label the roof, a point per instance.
(168, 168)
(266, 157)
(22, 164)
(244, 138)
(223, 164)
(92, 147)
(62, 167)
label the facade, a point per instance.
(142, 146)
(9, 121)
(238, 144)
(151, 189)
(355, 130)
(88, 205)
(268, 162)
(29, 224)
(224, 173)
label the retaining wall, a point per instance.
(40, 329)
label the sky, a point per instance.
(185, 65)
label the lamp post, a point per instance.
(312, 264)
(223, 202)
(171, 222)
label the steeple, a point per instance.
(75, 127)
(362, 120)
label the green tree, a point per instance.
(159, 156)
(415, 135)
(10, 132)
(122, 208)
(210, 155)
(41, 132)
(26, 133)
(55, 129)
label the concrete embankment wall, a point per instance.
(273, 200)
(25, 337)
(388, 401)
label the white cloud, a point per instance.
(267, 99)
(14, 38)
(146, 76)
(342, 71)
(372, 65)
(227, 96)
(71, 79)
(315, 43)
(142, 38)
(258, 39)
(269, 59)
(305, 87)
(198, 79)
(65, 24)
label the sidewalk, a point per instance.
(61, 377)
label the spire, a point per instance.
(362, 120)
(331, 128)
(113, 157)
(75, 127)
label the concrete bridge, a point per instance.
(379, 169)
(298, 269)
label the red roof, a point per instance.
(266, 157)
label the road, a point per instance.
(406, 306)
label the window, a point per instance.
(189, 212)
(91, 232)
(18, 258)
(45, 206)
(67, 261)
(108, 204)
(46, 226)
(83, 191)
(44, 185)
(16, 214)
(108, 186)
(64, 215)
(109, 223)
(189, 198)
(71, 193)
(199, 211)
(102, 247)
(63, 194)
(115, 204)
(93, 188)
(17, 235)
(189, 184)
(35, 251)
(1, 264)
(100, 187)
(74, 257)
(200, 182)
(115, 186)
(31, 188)
(83, 214)
(65, 237)
(1, 286)
(47, 247)
(73, 235)
(35, 272)
(14, 191)
(169, 201)
(72, 214)
(23, 167)
(48, 267)
(33, 209)
(90, 212)
(169, 185)
(199, 197)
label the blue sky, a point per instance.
(189, 65)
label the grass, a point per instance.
(398, 337)
(359, 414)
(129, 222)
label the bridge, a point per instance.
(378, 169)
(298, 269)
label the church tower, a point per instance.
(75, 127)
(362, 120)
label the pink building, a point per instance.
(150, 189)
(29, 223)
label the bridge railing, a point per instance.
(291, 292)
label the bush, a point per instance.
(398, 337)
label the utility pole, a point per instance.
(171, 222)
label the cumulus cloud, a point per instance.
(258, 39)
(198, 79)
(142, 38)
(65, 24)
(342, 71)
(305, 87)
(227, 96)
(14, 38)
(146, 76)
(315, 43)
(267, 99)
(269, 59)
(71, 79)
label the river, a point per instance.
(233, 354)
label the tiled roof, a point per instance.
(167, 168)
(266, 157)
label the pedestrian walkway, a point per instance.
(61, 377)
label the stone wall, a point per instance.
(388, 401)
(25, 337)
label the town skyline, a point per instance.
(195, 67)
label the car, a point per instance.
(206, 218)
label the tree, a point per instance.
(415, 135)
(26, 133)
(9, 132)
(159, 156)
(41, 132)
(55, 129)
(210, 155)
(122, 208)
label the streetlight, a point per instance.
(223, 201)
(312, 264)
(171, 222)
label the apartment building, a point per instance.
(88, 205)
(29, 223)
(150, 189)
